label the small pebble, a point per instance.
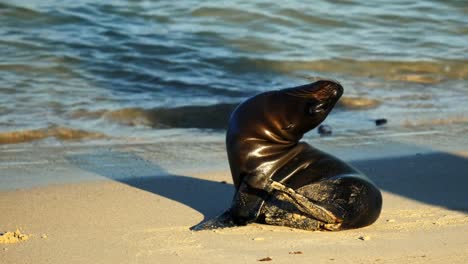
(380, 121)
(325, 130)
(266, 259)
(44, 236)
(295, 252)
(258, 239)
(390, 220)
(5, 249)
(364, 238)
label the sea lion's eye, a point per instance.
(316, 107)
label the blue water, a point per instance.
(79, 69)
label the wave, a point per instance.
(60, 133)
(203, 117)
(424, 72)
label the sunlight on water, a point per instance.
(136, 68)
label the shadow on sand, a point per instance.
(210, 198)
(439, 179)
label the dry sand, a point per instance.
(148, 219)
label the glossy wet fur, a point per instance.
(282, 181)
(263, 128)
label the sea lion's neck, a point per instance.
(254, 154)
(276, 156)
(258, 139)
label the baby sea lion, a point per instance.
(281, 181)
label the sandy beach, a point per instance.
(113, 116)
(119, 204)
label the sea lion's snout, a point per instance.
(321, 90)
(337, 91)
(323, 96)
(329, 90)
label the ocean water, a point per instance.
(136, 71)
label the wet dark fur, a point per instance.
(281, 181)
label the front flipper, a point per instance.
(245, 206)
(249, 199)
(221, 221)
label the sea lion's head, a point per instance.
(303, 108)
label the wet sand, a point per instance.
(124, 206)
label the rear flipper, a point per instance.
(283, 210)
(307, 206)
(332, 204)
(280, 211)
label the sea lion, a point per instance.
(281, 181)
